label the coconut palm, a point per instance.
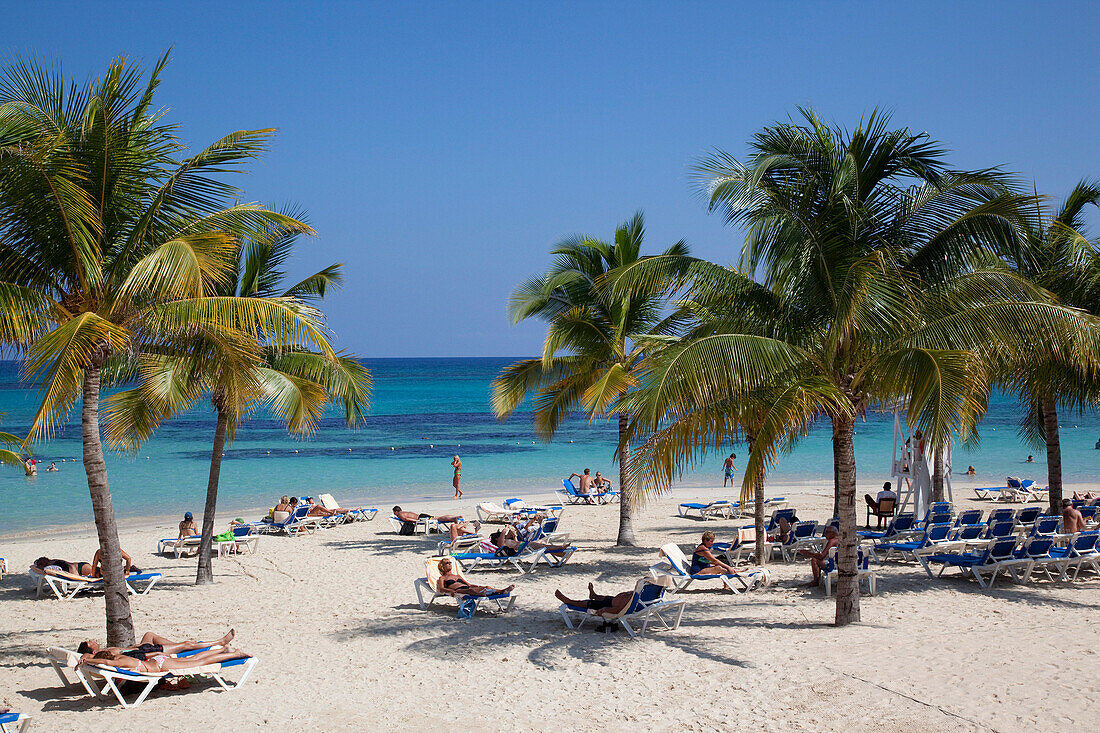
(113, 245)
(595, 342)
(1054, 252)
(292, 384)
(868, 285)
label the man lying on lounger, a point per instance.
(600, 605)
(153, 644)
(405, 516)
(453, 584)
(157, 663)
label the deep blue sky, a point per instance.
(442, 148)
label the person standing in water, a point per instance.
(457, 463)
(727, 470)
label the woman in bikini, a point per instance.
(157, 663)
(457, 463)
(703, 561)
(453, 584)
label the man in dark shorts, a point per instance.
(153, 644)
(601, 605)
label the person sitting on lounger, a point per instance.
(188, 527)
(97, 564)
(703, 561)
(1072, 520)
(462, 527)
(784, 526)
(453, 584)
(319, 510)
(153, 644)
(508, 538)
(585, 484)
(600, 605)
(817, 559)
(158, 663)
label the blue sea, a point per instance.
(423, 412)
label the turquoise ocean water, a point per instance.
(423, 412)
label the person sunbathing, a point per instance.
(320, 510)
(463, 527)
(703, 561)
(600, 605)
(509, 538)
(452, 584)
(784, 526)
(153, 644)
(158, 663)
(52, 566)
(405, 516)
(817, 559)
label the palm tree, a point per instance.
(293, 384)
(869, 287)
(1055, 253)
(112, 246)
(595, 342)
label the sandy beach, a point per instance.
(342, 644)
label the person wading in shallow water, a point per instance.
(457, 463)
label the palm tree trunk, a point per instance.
(626, 490)
(1054, 454)
(937, 475)
(836, 474)
(847, 587)
(758, 506)
(120, 622)
(205, 572)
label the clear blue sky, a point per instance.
(442, 148)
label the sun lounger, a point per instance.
(351, 515)
(66, 586)
(647, 606)
(721, 509)
(14, 722)
(934, 535)
(968, 516)
(492, 561)
(425, 525)
(675, 566)
(430, 584)
(901, 527)
(569, 493)
(830, 573)
(975, 564)
(175, 547)
(1081, 550)
(803, 536)
(491, 513)
(112, 676)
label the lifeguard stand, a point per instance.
(911, 472)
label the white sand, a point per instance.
(342, 645)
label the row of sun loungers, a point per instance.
(100, 679)
(245, 538)
(511, 509)
(571, 495)
(1026, 491)
(725, 509)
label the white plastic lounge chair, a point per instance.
(830, 573)
(111, 676)
(351, 515)
(491, 513)
(977, 565)
(66, 586)
(424, 525)
(14, 722)
(516, 504)
(569, 493)
(492, 561)
(647, 607)
(430, 584)
(720, 509)
(462, 543)
(176, 547)
(676, 567)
